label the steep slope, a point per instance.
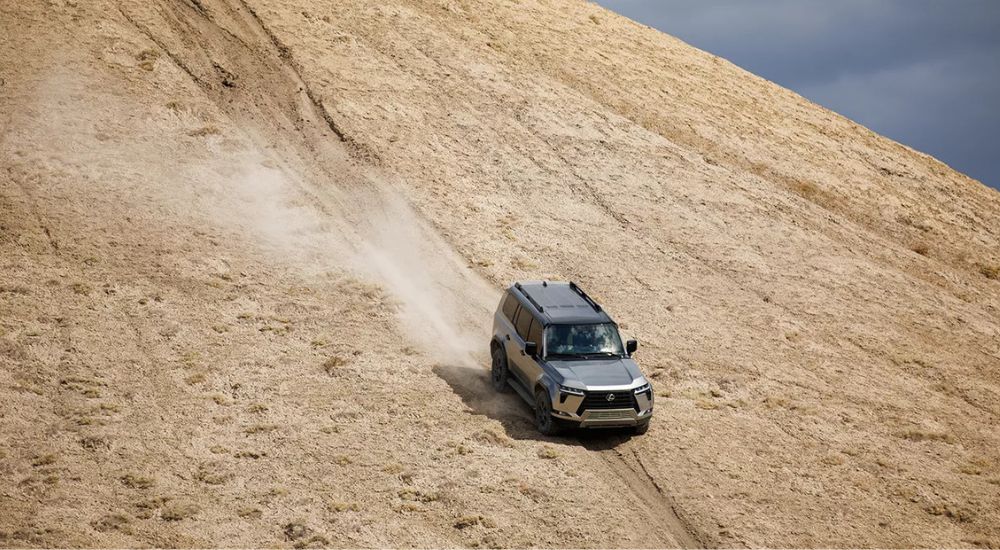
(250, 247)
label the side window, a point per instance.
(523, 323)
(535, 334)
(509, 307)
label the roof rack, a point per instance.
(530, 299)
(573, 286)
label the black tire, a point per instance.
(544, 421)
(499, 373)
(641, 428)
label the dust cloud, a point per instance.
(372, 233)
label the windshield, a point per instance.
(583, 340)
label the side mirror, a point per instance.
(631, 346)
(531, 348)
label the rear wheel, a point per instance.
(499, 374)
(544, 421)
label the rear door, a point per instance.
(515, 347)
(530, 366)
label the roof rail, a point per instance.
(530, 299)
(573, 286)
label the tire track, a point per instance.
(660, 508)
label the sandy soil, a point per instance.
(249, 250)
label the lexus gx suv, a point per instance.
(561, 352)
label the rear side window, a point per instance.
(535, 333)
(509, 307)
(524, 319)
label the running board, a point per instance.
(522, 391)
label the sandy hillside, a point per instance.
(249, 251)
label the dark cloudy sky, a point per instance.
(923, 72)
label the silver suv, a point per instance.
(562, 353)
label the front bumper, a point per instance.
(571, 408)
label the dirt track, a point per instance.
(237, 237)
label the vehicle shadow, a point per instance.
(472, 385)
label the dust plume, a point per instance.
(373, 233)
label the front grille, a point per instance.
(599, 400)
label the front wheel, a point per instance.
(499, 373)
(543, 415)
(641, 428)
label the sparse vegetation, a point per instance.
(212, 473)
(920, 248)
(82, 289)
(147, 59)
(960, 514)
(333, 364)
(990, 271)
(415, 495)
(44, 460)
(135, 481)
(976, 466)
(220, 399)
(548, 453)
(493, 437)
(178, 511)
(260, 428)
(338, 506)
(205, 131)
(295, 530)
(465, 522)
(111, 522)
(925, 435)
(249, 512)
(832, 460)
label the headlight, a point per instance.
(570, 391)
(642, 388)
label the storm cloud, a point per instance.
(923, 72)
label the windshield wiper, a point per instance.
(569, 355)
(602, 354)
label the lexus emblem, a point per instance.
(611, 397)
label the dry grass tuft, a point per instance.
(178, 511)
(333, 364)
(82, 289)
(249, 512)
(343, 506)
(44, 460)
(415, 495)
(134, 481)
(990, 271)
(111, 522)
(950, 511)
(920, 248)
(465, 522)
(493, 437)
(147, 59)
(260, 428)
(548, 453)
(205, 131)
(924, 435)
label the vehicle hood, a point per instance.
(598, 372)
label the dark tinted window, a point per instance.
(535, 334)
(509, 307)
(523, 322)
